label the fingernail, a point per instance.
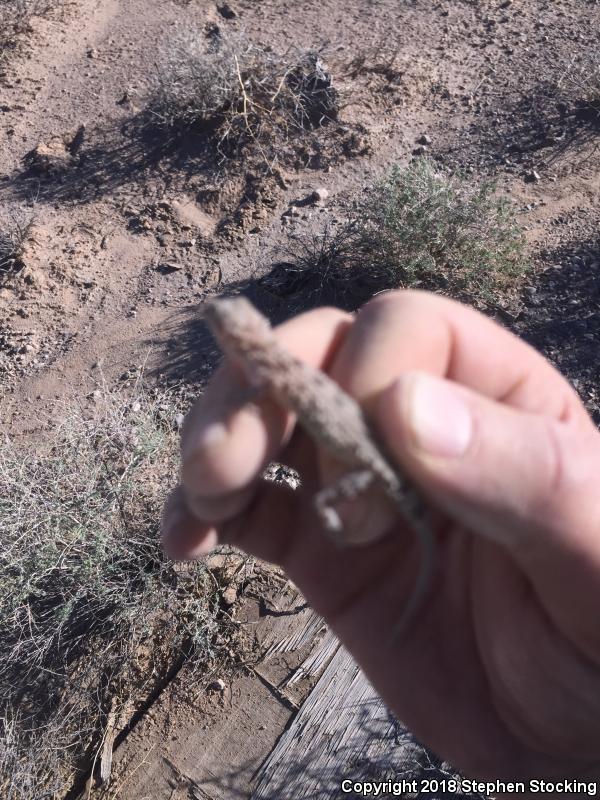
(440, 420)
(196, 449)
(211, 435)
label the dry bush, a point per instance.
(579, 85)
(13, 236)
(30, 765)
(91, 612)
(14, 15)
(419, 226)
(326, 267)
(239, 93)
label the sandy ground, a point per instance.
(129, 239)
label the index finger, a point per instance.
(412, 330)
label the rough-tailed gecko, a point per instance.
(333, 420)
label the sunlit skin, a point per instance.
(500, 671)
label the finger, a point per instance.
(226, 443)
(406, 330)
(183, 536)
(526, 481)
(267, 528)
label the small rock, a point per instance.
(56, 154)
(132, 313)
(230, 595)
(318, 196)
(92, 53)
(217, 686)
(178, 421)
(49, 157)
(168, 268)
(136, 407)
(226, 11)
(532, 176)
(424, 139)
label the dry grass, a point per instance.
(89, 607)
(326, 267)
(240, 94)
(579, 85)
(13, 237)
(14, 16)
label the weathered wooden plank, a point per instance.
(342, 727)
(344, 731)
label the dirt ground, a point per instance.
(129, 238)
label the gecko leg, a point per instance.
(347, 487)
(350, 486)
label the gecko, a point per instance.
(331, 418)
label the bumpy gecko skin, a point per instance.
(332, 418)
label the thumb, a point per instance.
(527, 481)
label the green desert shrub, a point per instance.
(424, 226)
(419, 226)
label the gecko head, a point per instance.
(235, 323)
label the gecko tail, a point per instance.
(422, 584)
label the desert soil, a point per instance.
(129, 238)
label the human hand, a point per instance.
(500, 670)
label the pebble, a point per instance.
(230, 595)
(424, 139)
(178, 421)
(226, 11)
(318, 196)
(532, 176)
